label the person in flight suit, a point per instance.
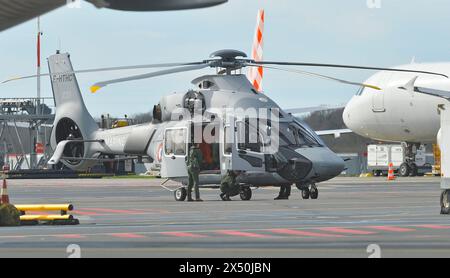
(193, 163)
(229, 186)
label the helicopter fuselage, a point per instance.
(226, 108)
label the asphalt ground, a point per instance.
(353, 217)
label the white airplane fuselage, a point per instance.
(398, 113)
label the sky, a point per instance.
(380, 33)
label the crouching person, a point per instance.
(229, 185)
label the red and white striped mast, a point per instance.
(39, 34)
(256, 74)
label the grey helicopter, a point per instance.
(268, 148)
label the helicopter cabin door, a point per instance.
(175, 148)
(247, 149)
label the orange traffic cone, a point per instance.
(5, 197)
(391, 175)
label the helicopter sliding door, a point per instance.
(175, 148)
(226, 149)
(247, 149)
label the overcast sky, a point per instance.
(327, 31)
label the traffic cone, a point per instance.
(391, 175)
(5, 197)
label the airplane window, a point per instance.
(175, 141)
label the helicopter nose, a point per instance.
(326, 164)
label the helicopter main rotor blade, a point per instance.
(149, 66)
(99, 85)
(347, 67)
(317, 75)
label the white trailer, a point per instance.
(380, 156)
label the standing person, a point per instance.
(285, 192)
(193, 162)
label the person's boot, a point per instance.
(223, 196)
(197, 195)
(281, 197)
(189, 198)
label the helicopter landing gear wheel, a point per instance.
(314, 192)
(180, 194)
(246, 193)
(445, 202)
(305, 193)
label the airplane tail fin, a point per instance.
(72, 119)
(255, 74)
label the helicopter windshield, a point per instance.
(297, 134)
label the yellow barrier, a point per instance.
(45, 217)
(65, 207)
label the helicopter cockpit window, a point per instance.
(305, 137)
(175, 142)
(293, 134)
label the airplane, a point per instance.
(15, 12)
(405, 110)
(442, 138)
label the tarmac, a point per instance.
(353, 217)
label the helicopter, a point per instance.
(268, 148)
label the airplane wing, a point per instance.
(433, 92)
(303, 110)
(14, 12)
(335, 132)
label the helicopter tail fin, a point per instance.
(255, 74)
(72, 119)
